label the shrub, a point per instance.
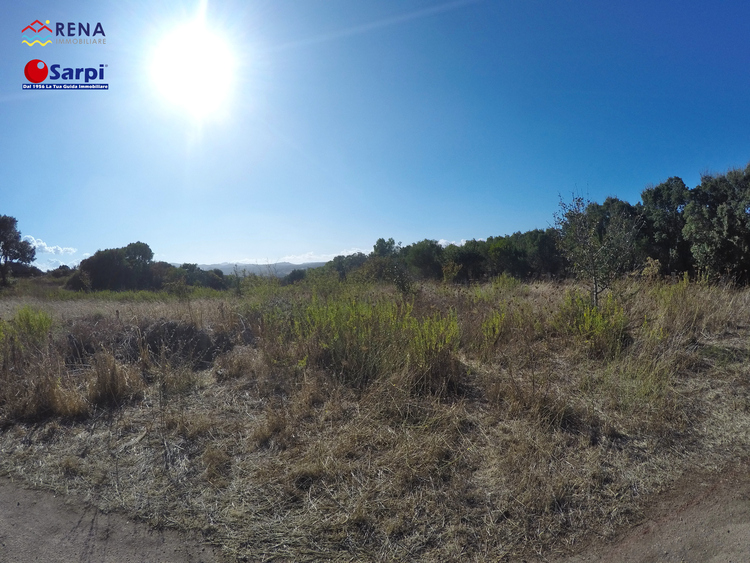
(360, 341)
(31, 325)
(603, 329)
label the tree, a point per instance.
(12, 248)
(600, 246)
(663, 210)
(470, 260)
(344, 265)
(541, 254)
(385, 248)
(717, 224)
(424, 257)
(116, 269)
(504, 257)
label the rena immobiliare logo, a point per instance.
(66, 33)
(60, 77)
(36, 33)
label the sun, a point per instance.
(193, 69)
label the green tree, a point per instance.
(344, 265)
(385, 248)
(425, 258)
(717, 224)
(504, 256)
(470, 259)
(599, 246)
(541, 255)
(663, 210)
(13, 250)
(116, 269)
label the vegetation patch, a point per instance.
(346, 419)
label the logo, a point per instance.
(37, 71)
(36, 32)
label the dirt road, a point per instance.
(705, 519)
(38, 526)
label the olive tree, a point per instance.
(599, 246)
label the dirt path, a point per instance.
(39, 526)
(705, 519)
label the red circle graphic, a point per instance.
(35, 71)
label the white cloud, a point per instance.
(43, 248)
(444, 242)
(52, 263)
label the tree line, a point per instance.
(673, 229)
(132, 268)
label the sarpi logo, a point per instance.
(37, 71)
(36, 32)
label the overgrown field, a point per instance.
(350, 421)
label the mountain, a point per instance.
(279, 269)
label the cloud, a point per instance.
(43, 248)
(52, 263)
(444, 242)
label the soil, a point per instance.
(705, 518)
(39, 526)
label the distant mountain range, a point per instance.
(279, 269)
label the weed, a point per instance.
(603, 329)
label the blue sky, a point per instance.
(349, 120)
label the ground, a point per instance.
(706, 518)
(41, 526)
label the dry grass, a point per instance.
(343, 423)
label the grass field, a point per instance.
(350, 421)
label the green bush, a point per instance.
(602, 329)
(31, 325)
(367, 339)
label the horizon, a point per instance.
(295, 132)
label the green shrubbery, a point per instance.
(362, 340)
(603, 329)
(29, 326)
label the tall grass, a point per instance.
(347, 420)
(360, 341)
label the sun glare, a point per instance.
(193, 69)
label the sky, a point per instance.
(260, 131)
